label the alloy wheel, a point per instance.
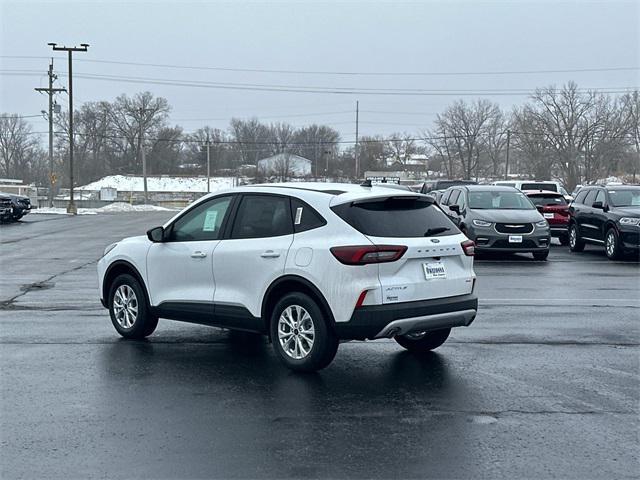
(125, 306)
(296, 332)
(610, 244)
(572, 237)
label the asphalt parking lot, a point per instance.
(545, 383)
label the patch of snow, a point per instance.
(126, 207)
(62, 211)
(117, 207)
(132, 183)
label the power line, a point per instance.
(344, 72)
(323, 90)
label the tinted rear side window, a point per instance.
(305, 217)
(581, 195)
(261, 216)
(397, 217)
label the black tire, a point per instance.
(143, 324)
(576, 244)
(541, 256)
(324, 343)
(564, 239)
(424, 342)
(612, 246)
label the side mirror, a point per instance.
(598, 205)
(455, 208)
(156, 234)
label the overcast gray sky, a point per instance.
(360, 37)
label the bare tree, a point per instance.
(631, 114)
(20, 152)
(401, 147)
(252, 140)
(462, 130)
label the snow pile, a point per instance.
(118, 207)
(63, 211)
(126, 207)
(132, 183)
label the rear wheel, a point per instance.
(423, 341)
(541, 256)
(301, 335)
(612, 244)
(576, 244)
(129, 309)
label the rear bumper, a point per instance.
(378, 321)
(559, 230)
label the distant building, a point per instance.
(417, 161)
(285, 165)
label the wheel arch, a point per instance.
(120, 267)
(291, 283)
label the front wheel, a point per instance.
(541, 256)
(129, 309)
(575, 242)
(423, 341)
(301, 335)
(612, 245)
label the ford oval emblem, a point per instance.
(435, 240)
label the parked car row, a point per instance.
(504, 219)
(13, 207)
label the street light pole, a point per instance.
(71, 208)
(208, 166)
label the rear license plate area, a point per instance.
(433, 270)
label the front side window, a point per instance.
(600, 197)
(453, 199)
(445, 198)
(581, 196)
(591, 197)
(261, 216)
(203, 222)
(499, 200)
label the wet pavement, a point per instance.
(545, 383)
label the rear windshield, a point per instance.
(547, 200)
(550, 187)
(397, 217)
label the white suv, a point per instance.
(308, 264)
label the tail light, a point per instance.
(365, 254)
(469, 248)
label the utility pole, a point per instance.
(208, 145)
(506, 165)
(141, 151)
(71, 208)
(356, 147)
(50, 91)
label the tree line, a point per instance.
(567, 133)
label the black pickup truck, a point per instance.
(13, 207)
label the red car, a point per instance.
(555, 210)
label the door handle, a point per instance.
(269, 254)
(198, 254)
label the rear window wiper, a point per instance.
(435, 231)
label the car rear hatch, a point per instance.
(433, 263)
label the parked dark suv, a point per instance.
(608, 216)
(20, 206)
(6, 209)
(498, 219)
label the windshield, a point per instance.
(499, 200)
(625, 198)
(547, 200)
